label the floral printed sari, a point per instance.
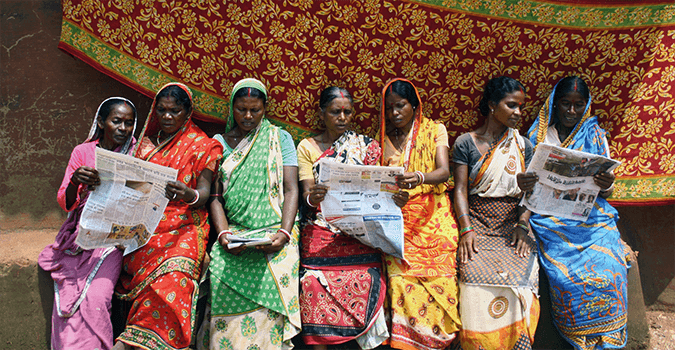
(161, 278)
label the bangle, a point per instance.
(420, 175)
(465, 214)
(310, 203)
(286, 233)
(523, 226)
(216, 195)
(72, 183)
(223, 232)
(607, 189)
(196, 199)
(465, 230)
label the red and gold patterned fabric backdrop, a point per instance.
(625, 50)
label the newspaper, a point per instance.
(359, 202)
(566, 187)
(127, 206)
(240, 238)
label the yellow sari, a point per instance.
(422, 290)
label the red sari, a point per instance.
(161, 278)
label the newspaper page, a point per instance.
(127, 206)
(359, 202)
(565, 188)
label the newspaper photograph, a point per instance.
(359, 202)
(566, 187)
(125, 209)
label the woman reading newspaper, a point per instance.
(160, 278)
(423, 287)
(254, 289)
(498, 275)
(333, 310)
(585, 262)
(84, 279)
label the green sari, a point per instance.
(254, 296)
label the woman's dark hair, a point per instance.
(495, 90)
(405, 90)
(104, 113)
(179, 94)
(250, 92)
(332, 92)
(568, 84)
(571, 84)
(107, 107)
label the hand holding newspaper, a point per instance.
(239, 240)
(128, 205)
(565, 187)
(359, 202)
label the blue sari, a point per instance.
(584, 261)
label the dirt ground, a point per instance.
(661, 330)
(21, 247)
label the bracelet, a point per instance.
(223, 232)
(608, 189)
(286, 233)
(421, 177)
(310, 203)
(523, 226)
(465, 230)
(72, 183)
(216, 195)
(465, 214)
(194, 201)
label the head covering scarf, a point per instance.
(546, 118)
(241, 84)
(152, 127)
(96, 133)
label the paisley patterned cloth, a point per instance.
(161, 277)
(585, 262)
(423, 289)
(254, 296)
(342, 286)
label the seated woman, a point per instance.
(161, 278)
(84, 280)
(585, 262)
(254, 291)
(423, 288)
(498, 275)
(330, 260)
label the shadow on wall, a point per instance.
(45, 109)
(650, 231)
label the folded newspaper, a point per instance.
(359, 203)
(238, 239)
(127, 206)
(566, 187)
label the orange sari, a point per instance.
(161, 278)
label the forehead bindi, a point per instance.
(517, 97)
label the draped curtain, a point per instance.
(624, 50)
